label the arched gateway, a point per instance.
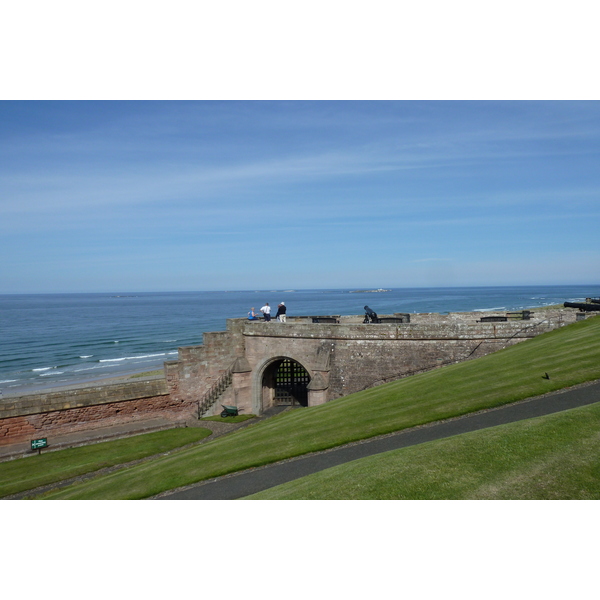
(283, 382)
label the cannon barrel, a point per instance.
(582, 306)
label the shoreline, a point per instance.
(97, 382)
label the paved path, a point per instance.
(251, 481)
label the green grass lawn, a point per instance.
(546, 458)
(26, 473)
(236, 419)
(570, 355)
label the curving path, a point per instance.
(251, 481)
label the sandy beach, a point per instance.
(102, 381)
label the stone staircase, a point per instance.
(218, 388)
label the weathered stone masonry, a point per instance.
(234, 367)
(56, 413)
(344, 357)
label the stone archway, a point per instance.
(284, 382)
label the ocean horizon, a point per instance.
(56, 340)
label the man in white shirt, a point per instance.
(266, 311)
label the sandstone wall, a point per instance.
(55, 413)
(361, 356)
(199, 367)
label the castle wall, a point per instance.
(360, 356)
(341, 359)
(68, 411)
(199, 367)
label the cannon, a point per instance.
(582, 306)
(371, 315)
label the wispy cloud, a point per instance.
(409, 181)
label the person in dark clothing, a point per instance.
(281, 310)
(370, 314)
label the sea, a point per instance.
(57, 340)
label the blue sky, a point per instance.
(223, 195)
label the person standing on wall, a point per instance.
(281, 310)
(266, 311)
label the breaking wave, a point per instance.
(132, 357)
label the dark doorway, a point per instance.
(291, 381)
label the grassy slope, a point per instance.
(570, 355)
(33, 471)
(552, 457)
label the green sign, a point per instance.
(37, 444)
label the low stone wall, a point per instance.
(68, 411)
